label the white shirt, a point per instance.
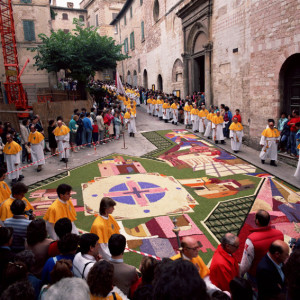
(82, 264)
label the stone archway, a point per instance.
(289, 84)
(134, 79)
(159, 83)
(128, 77)
(177, 75)
(145, 79)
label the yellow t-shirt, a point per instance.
(149, 101)
(187, 108)
(63, 130)
(105, 228)
(35, 137)
(198, 262)
(217, 120)
(166, 106)
(12, 148)
(127, 115)
(194, 111)
(203, 113)
(271, 133)
(236, 126)
(5, 191)
(5, 212)
(174, 106)
(58, 210)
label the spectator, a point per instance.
(88, 255)
(285, 144)
(51, 137)
(124, 275)
(19, 223)
(93, 116)
(292, 273)
(68, 247)
(62, 269)
(95, 133)
(73, 132)
(147, 268)
(117, 124)
(61, 228)
(68, 288)
(28, 258)
(240, 288)
(79, 123)
(282, 121)
(237, 115)
(224, 267)
(6, 255)
(101, 127)
(292, 123)
(38, 243)
(269, 274)
(19, 290)
(87, 132)
(179, 273)
(100, 281)
(14, 272)
(227, 119)
(219, 295)
(257, 244)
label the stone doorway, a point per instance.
(159, 83)
(290, 84)
(145, 79)
(199, 73)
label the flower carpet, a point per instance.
(206, 189)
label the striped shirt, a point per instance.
(19, 224)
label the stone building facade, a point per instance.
(245, 54)
(256, 59)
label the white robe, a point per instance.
(148, 108)
(297, 173)
(195, 122)
(208, 129)
(269, 149)
(186, 118)
(151, 108)
(217, 131)
(37, 153)
(236, 139)
(63, 145)
(166, 113)
(131, 124)
(11, 160)
(160, 110)
(202, 124)
(155, 112)
(175, 115)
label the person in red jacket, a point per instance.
(237, 115)
(257, 244)
(224, 267)
(293, 130)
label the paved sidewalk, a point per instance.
(139, 145)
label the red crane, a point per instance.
(13, 85)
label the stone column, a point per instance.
(208, 74)
(185, 58)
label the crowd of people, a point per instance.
(49, 259)
(107, 119)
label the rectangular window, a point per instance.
(131, 12)
(25, 1)
(28, 27)
(141, 2)
(65, 16)
(126, 45)
(142, 31)
(97, 23)
(132, 40)
(125, 20)
(81, 18)
(66, 30)
(139, 65)
(114, 15)
(116, 29)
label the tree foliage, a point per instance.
(82, 53)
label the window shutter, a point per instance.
(142, 29)
(29, 33)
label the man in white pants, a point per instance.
(36, 140)
(62, 136)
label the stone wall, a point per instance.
(251, 41)
(160, 51)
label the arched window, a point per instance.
(156, 10)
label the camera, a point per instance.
(29, 213)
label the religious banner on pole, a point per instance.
(119, 85)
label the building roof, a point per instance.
(121, 13)
(68, 9)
